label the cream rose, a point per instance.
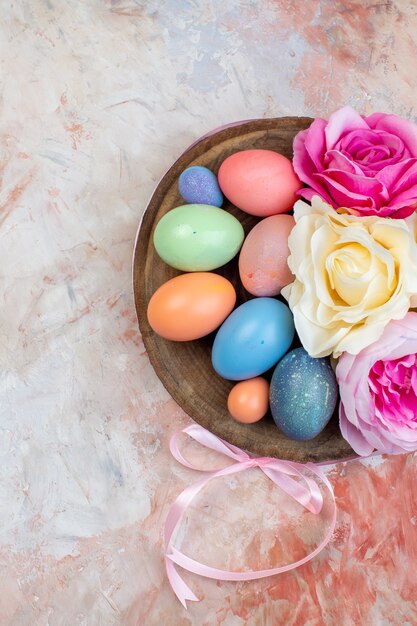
(352, 276)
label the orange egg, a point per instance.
(191, 305)
(248, 401)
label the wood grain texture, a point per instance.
(185, 368)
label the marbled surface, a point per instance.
(98, 97)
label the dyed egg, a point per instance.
(263, 264)
(260, 182)
(198, 237)
(248, 401)
(190, 306)
(303, 395)
(199, 185)
(252, 339)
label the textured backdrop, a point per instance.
(97, 99)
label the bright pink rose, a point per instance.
(367, 165)
(378, 391)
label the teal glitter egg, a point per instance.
(303, 395)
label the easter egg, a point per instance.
(248, 401)
(263, 258)
(190, 306)
(260, 182)
(303, 395)
(197, 237)
(199, 185)
(252, 339)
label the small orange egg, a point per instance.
(248, 401)
(191, 305)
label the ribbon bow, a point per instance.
(282, 473)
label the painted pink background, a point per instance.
(98, 97)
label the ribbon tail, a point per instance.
(179, 586)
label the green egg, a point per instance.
(198, 237)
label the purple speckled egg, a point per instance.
(198, 185)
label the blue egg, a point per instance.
(252, 339)
(198, 185)
(303, 395)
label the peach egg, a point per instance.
(190, 306)
(248, 401)
(263, 264)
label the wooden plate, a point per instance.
(185, 368)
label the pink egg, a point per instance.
(260, 182)
(263, 259)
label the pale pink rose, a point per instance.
(378, 392)
(367, 165)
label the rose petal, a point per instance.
(356, 140)
(373, 153)
(335, 160)
(372, 149)
(350, 190)
(340, 123)
(395, 211)
(396, 177)
(308, 193)
(353, 435)
(404, 129)
(362, 185)
(306, 165)
(402, 205)
(314, 142)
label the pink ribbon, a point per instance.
(282, 473)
